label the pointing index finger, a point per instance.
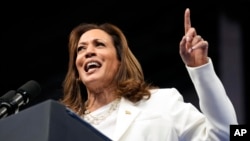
(187, 21)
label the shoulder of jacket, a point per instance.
(166, 93)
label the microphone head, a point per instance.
(29, 90)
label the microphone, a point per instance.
(22, 96)
(4, 102)
(7, 96)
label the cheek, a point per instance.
(113, 66)
(115, 63)
(78, 62)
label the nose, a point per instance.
(90, 51)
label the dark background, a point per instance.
(34, 37)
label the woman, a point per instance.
(105, 86)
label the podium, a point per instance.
(47, 121)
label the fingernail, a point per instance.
(190, 50)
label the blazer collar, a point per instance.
(127, 112)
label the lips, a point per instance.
(92, 65)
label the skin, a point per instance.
(193, 49)
(97, 45)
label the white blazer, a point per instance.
(166, 117)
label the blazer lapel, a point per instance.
(126, 115)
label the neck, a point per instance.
(97, 99)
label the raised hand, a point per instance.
(193, 48)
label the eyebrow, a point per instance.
(95, 40)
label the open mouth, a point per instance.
(92, 65)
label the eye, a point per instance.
(80, 48)
(100, 44)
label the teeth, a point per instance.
(91, 64)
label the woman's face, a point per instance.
(96, 60)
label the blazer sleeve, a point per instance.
(213, 99)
